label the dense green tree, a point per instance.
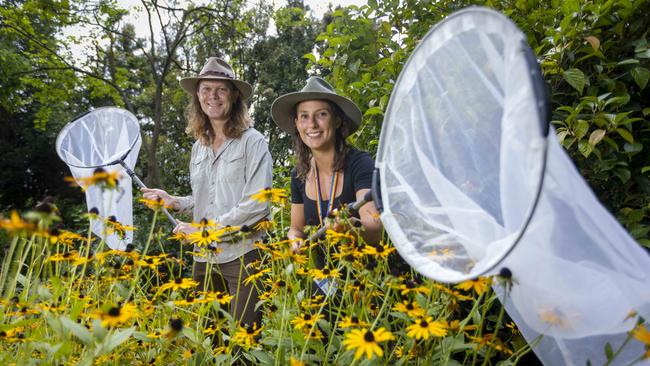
(280, 68)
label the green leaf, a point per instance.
(625, 134)
(585, 148)
(633, 148)
(575, 78)
(373, 111)
(644, 242)
(609, 353)
(119, 337)
(77, 330)
(645, 111)
(641, 76)
(629, 61)
(596, 137)
(580, 129)
(310, 57)
(623, 174)
(645, 169)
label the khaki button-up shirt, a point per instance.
(222, 185)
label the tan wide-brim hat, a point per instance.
(216, 69)
(282, 109)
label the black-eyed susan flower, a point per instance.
(320, 274)
(489, 340)
(264, 225)
(15, 225)
(274, 195)
(256, 276)
(352, 322)
(336, 238)
(479, 285)
(179, 283)
(203, 238)
(221, 297)
(115, 227)
(457, 295)
(178, 236)
(410, 308)
(642, 335)
(424, 328)
(154, 204)
(312, 302)
(364, 341)
(100, 177)
(205, 223)
(295, 362)
(380, 250)
(306, 320)
(409, 286)
(117, 315)
(246, 336)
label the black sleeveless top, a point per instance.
(357, 172)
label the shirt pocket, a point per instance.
(233, 169)
(198, 170)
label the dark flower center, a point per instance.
(203, 221)
(410, 284)
(114, 311)
(326, 271)
(176, 324)
(410, 307)
(178, 281)
(354, 320)
(380, 249)
(369, 337)
(250, 330)
(424, 324)
(505, 273)
(307, 317)
(205, 234)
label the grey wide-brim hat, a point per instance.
(282, 109)
(216, 69)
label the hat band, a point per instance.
(215, 73)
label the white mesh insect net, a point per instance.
(101, 138)
(467, 172)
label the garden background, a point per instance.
(594, 56)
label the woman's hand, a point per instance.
(154, 194)
(185, 228)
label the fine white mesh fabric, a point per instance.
(96, 139)
(462, 159)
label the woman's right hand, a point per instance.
(154, 194)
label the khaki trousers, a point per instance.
(229, 277)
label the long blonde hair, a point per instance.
(198, 123)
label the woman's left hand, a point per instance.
(185, 228)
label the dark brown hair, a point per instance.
(303, 153)
(198, 123)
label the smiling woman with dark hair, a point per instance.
(329, 172)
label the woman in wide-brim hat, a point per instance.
(230, 162)
(328, 172)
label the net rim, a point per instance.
(536, 82)
(64, 131)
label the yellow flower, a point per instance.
(448, 291)
(412, 309)
(264, 225)
(294, 362)
(379, 250)
(312, 302)
(274, 195)
(16, 225)
(178, 236)
(424, 328)
(410, 286)
(320, 274)
(245, 336)
(365, 341)
(334, 238)
(255, 276)
(643, 335)
(479, 285)
(118, 315)
(554, 318)
(306, 320)
(204, 223)
(115, 227)
(100, 178)
(222, 298)
(179, 283)
(154, 204)
(203, 238)
(352, 322)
